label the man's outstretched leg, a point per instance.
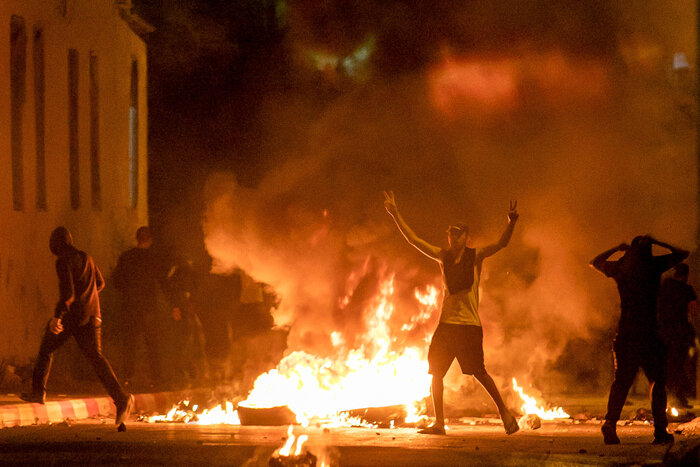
(509, 422)
(89, 339)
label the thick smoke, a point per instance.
(576, 115)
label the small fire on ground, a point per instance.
(534, 412)
(292, 454)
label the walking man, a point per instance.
(77, 314)
(459, 334)
(638, 275)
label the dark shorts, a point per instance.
(459, 341)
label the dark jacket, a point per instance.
(79, 282)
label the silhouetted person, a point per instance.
(638, 275)
(181, 286)
(137, 277)
(677, 299)
(77, 314)
(459, 334)
(216, 302)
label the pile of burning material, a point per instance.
(342, 389)
(283, 457)
(266, 416)
(186, 412)
(377, 417)
(534, 413)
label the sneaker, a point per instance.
(609, 434)
(663, 437)
(433, 430)
(35, 397)
(124, 409)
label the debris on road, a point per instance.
(530, 422)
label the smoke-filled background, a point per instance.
(275, 126)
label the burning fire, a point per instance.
(284, 456)
(530, 406)
(286, 449)
(326, 389)
(372, 375)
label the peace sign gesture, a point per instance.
(390, 202)
(513, 212)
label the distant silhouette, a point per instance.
(638, 275)
(138, 277)
(77, 314)
(676, 300)
(459, 334)
(181, 287)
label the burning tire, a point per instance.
(266, 416)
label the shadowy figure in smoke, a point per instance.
(677, 302)
(459, 334)
(638, 276)
(138, 276)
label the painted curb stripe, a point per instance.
(77, 409)
(54, 413)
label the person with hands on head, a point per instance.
(638, 343)
(459, 334)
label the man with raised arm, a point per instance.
(638, 275)
(459, 334)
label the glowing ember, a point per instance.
(530, 406)
(674, 412)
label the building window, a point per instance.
(18, 69)
(134, 136)
(39, 115)
(95, 134)
(73, 148)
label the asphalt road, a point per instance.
(93, 442)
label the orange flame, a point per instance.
(530, 406)
(370, 376)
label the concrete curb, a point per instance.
(24, 414)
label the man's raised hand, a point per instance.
(390, 202)
(513, 212)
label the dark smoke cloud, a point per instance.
(585, 132)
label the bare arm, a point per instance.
(421, 245)
(676, 256)
(600, 261)
(505, 236)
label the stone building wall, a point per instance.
(72, 88)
